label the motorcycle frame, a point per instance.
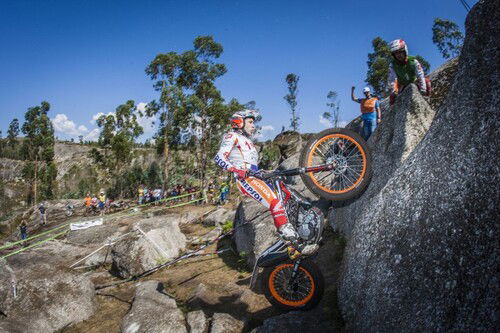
(277, 253)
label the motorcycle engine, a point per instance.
(309, 223)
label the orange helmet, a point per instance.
(238, 118)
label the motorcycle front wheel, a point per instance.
(350, 154)
(303, 294)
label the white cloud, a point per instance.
(97, 115)
(147, 123)
(92, 136)
(63, 125)
(265, 131)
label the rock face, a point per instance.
(48, 298)
(422, 256)
(137, 253)
(404, 126)
(225, 323)
(255, 229)
(153, 311)
(441, 80)
(295, 321)
(197, 322)
(218, 217)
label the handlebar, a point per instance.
(290, 172)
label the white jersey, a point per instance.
(237, 151)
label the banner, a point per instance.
(85, 225)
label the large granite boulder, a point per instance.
(254, 229)
(225, 323)
(38, 294)
(136, 252)
(312, 322)
(422, 256)
(403, 127)
(153, 311)
(197, 322)
(219, 217)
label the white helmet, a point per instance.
(398, 44)
(237, 119)
(366, 89)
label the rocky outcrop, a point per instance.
(311, 322)
(219, 217)
(404, 126)
(137, 252)
(10, 170)
(441, 81)
(225, 323)
(47, 297)
(197, 322)
(422, 254)
(254, 231)
(153, 311)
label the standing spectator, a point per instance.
(224, 192)
(23, 230)
(87, 201)
(43, 214)
(102, 202)
(141, 194)
(370, 111)
(157, 194)
(211, 192)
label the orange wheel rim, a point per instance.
(355, 145)
(274, 285)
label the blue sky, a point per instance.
(88, 57)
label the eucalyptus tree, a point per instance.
(292, 81)
(165, 70)
(189, 100)
(13, 132)
(333, 115)
(118, 133)
(38, 150)
(448, 38)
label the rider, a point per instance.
(405, 69)
(237, 154)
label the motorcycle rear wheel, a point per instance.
(304, 294)
(353, 171)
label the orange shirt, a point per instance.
(368, 105)
(87, 201)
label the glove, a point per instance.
(293, 253)
(241, 174)
(288, 233)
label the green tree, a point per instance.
(38, 148)
(333, 116)
(292, 81)
(13, 132)
(154, 174)
(166, 71)
(378, 66)
(190, 101)
(118, 132)
(447, 37)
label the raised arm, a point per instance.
(353, 97)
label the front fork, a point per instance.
(296, 266)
